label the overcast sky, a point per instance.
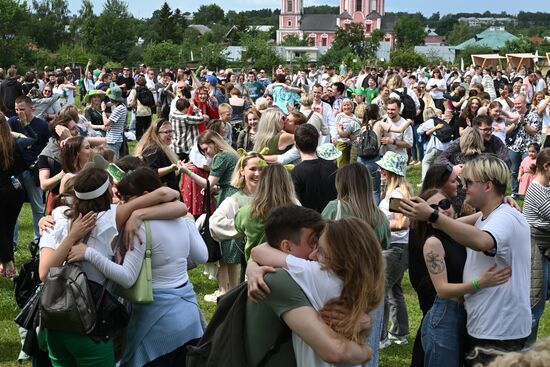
(144, 8)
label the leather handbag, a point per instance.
(66, 302)
(142, 290)
(213, 246)
(111, 315)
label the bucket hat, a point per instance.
(393, 162)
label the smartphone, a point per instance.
(394, 205)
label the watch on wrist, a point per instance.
(434, 216)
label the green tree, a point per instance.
(409, 32)
(208, 14)
(214, 56)
(467, 53)
(445, 25)
(162, 55)
(407, 58)
(258, 51)
(294, 40)
(180, 22)
(117, 36)
(352, 37)
(13, 38)
(521, 45)
(84, 24)
(166, 24)
(461, 32)
(51, 18)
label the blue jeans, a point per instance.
(377, 319)
(396, 261)
(35, 196)
(116, 148)
(444, 334)
(417, 149)
(375, 174)
(515, 159)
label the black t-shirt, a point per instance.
(156, 159)
(314, 182)
(129, 84)
(54, 166)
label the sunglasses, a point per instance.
(443, 204)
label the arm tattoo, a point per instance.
(434, 263)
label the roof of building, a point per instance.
(388, 22)
(202, 29)
(373, 15)
(434, 39)
(318, 22)
(345, 15)
(493, 38)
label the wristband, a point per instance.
(189, 173)
(59, 177)
(476, 285)
(434, 216)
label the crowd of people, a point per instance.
(302, 179)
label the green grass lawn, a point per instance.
(393, 356)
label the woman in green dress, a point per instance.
(224, 159)
(275, 189)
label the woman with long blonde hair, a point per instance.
(154, 148)
(270, 132)
(392, 171)
(275, 189)
(222, 222)
(356, 199)
(347, 269)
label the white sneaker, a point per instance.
(213, 297)
(384, 343)
(399, 340)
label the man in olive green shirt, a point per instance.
(282, 301)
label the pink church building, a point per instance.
(320, 29)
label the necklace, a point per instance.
(495, 208)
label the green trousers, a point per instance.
(73, 350)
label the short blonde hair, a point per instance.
(488, 168)
(306, 100)
(471, 142)
(225, 107)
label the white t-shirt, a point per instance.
(502, 312)
(436, 83)
(396, 236)
(501, 134)
(100, 238)
(172, 241)
(406, 136)
(320, 286)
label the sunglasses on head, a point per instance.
(443, 204)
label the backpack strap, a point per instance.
(284, 335)
(309, 116)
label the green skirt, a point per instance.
(232, 251)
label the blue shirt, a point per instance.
(36, 129)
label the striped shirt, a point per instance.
(185, 129)
(118, 122)
(536, 206)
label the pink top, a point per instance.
(526, 175)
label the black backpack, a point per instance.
(409, 107)
(446, 133)
(369, 146)
(222, 344)
(145, 96)
(28, 278)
